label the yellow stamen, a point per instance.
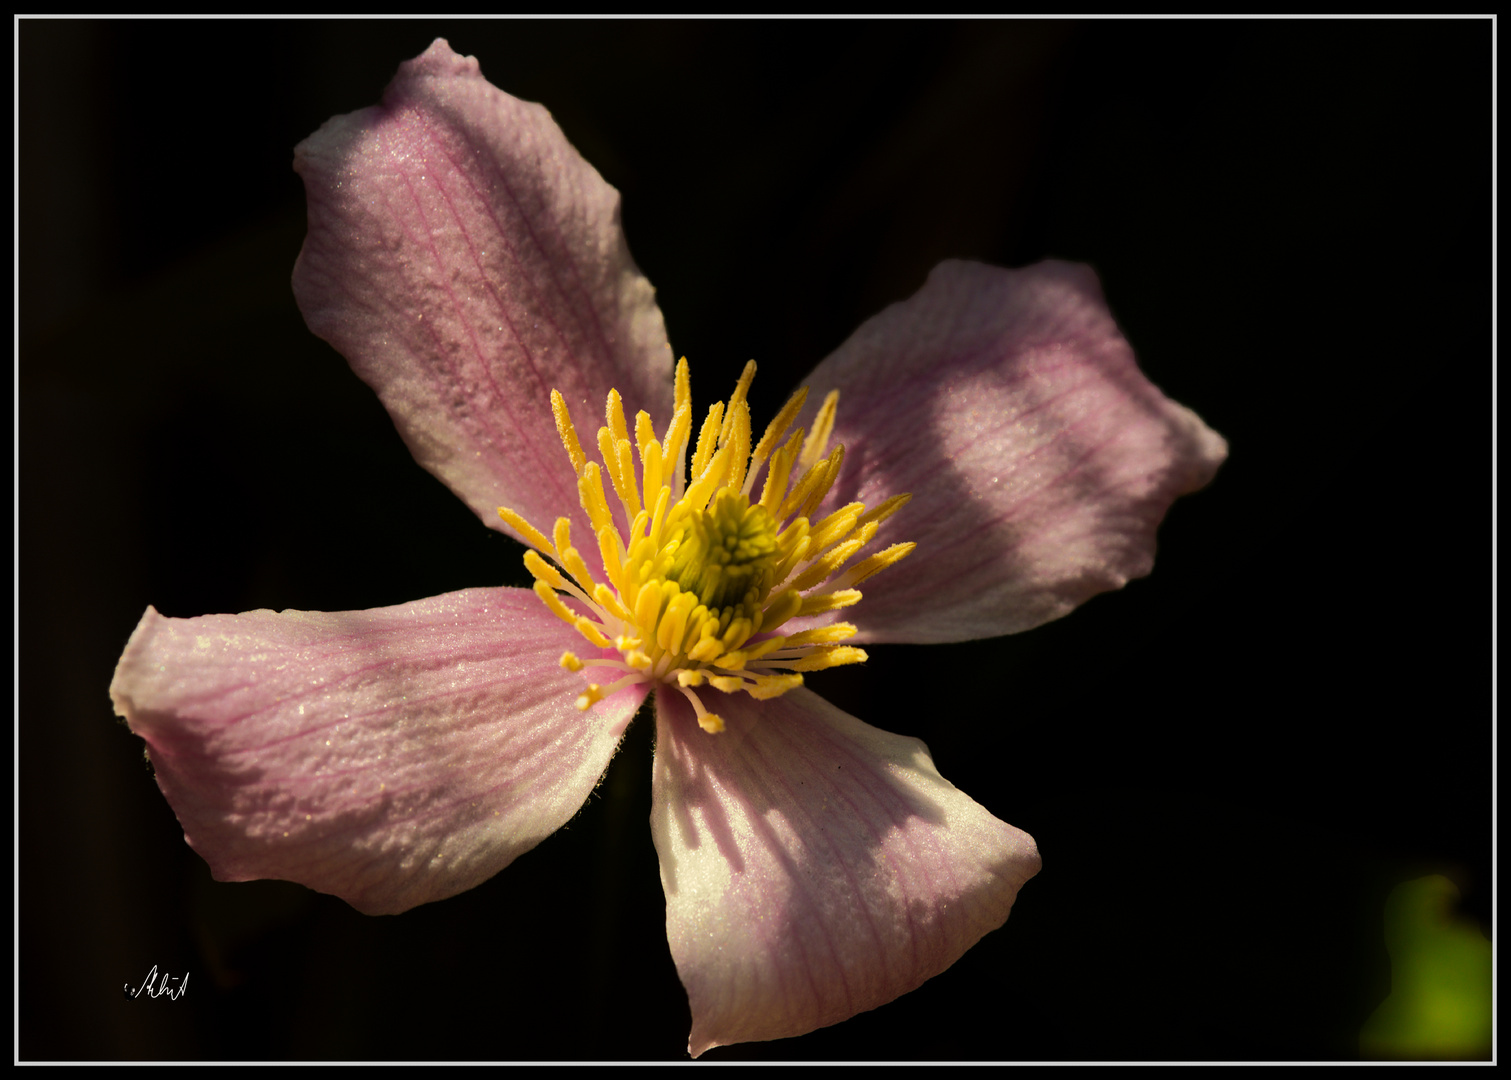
(674, 448)
(682, 394)
(572, 561)
(836, 525)
(708, 648)
(673, 628)
(742, 387)
(544, 571)
(815, 605)
(553, 603)
(770, 686)
(826, 481)
(567, 432)
(645, 431)
(696, 582)
(799, 493)
(612, 553)
(631, 494)
(798, 553)
(883, 510)
(827, 658)
(822, 635)
(823, 427)
(650, 463)
(531, 534)
(875, 563)
(614, 414)
(829, 563)
(777, 428)
(589, 629)
(662, 501)
(708, 438)
(590, 491)
(706, 720)
(783, 608)
(616, 456)
(738, 422)
(608, 599)
(776, 479)
(738, 659)
(710, 723)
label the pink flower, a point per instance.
(469, 263)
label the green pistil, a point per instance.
(728, 552)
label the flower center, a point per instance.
(700, 578)
(725, 554)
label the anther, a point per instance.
(692, 593)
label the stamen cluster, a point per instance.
(697, 585)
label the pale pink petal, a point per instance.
(466, 261)
(1039, 458)
(814, 866)
(390, 757)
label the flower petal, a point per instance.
(466, 260)
(1039, 458)
(390, 757)
(814, 866)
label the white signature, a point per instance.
(156, 986)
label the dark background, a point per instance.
(1227, 765)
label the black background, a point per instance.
(1226, 765)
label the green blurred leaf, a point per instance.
(1439, 1003)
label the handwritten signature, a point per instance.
(156, 986)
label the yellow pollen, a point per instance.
(697, 575)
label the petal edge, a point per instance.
(391, 757)
(466, 260)
(814, 866)
(1040, 459)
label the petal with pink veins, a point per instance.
(1039, 457)
(390, 757)
(466, 260)
(814, 866)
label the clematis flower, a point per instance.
(471, 267)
